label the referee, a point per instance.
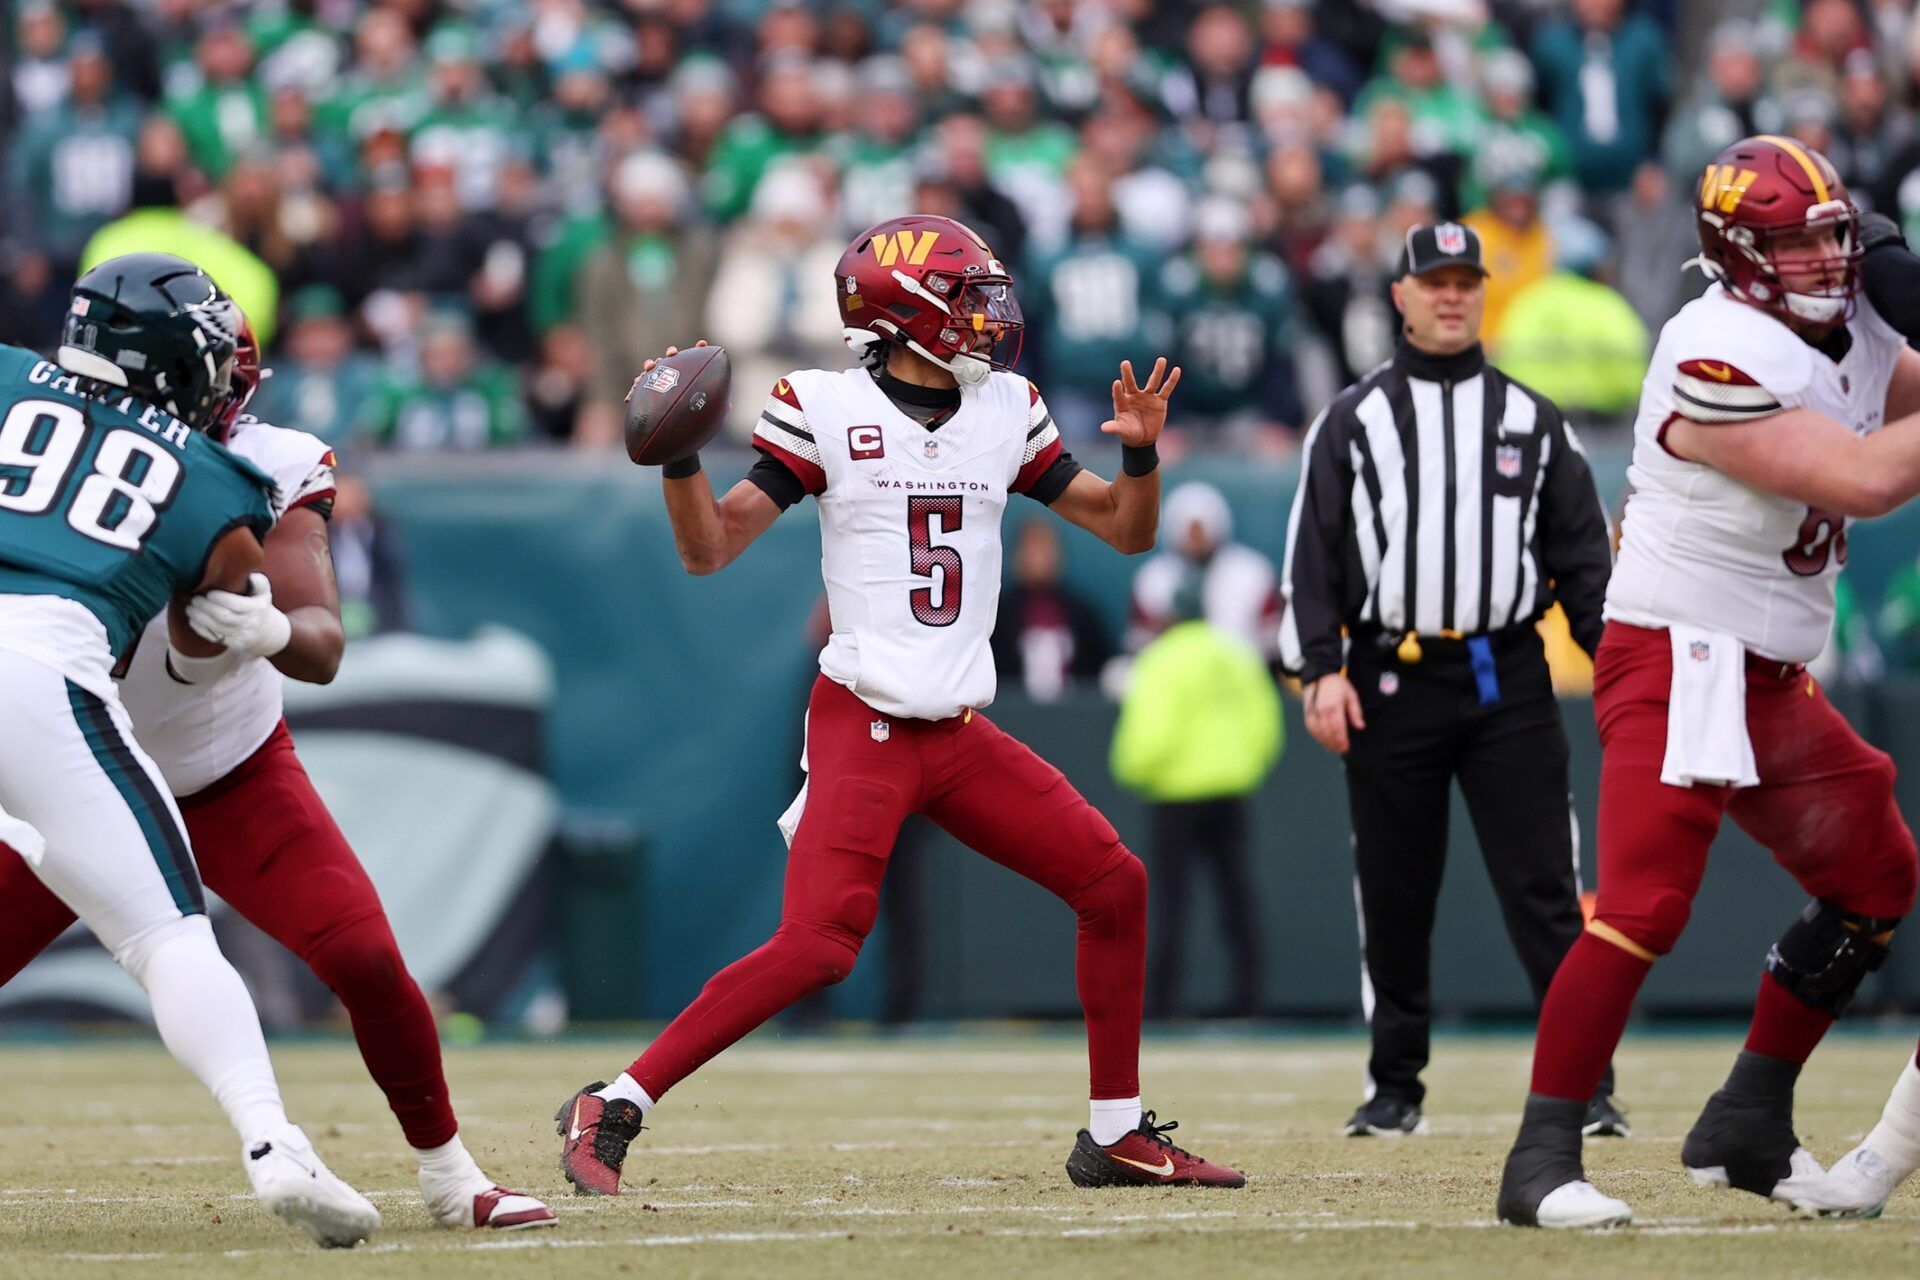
(1442, 509)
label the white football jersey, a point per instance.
(199, 733)
(909, 528)
(1700, 548)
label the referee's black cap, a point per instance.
(1440, 244)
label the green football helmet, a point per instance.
(158, 326)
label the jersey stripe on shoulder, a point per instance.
(784, 434)
(1715, 391)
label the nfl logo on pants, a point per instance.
(880, 730)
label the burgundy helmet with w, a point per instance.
(244, 381)
(1765, 188)
(934, 285)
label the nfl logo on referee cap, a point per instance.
(1450, 237)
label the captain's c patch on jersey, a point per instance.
(864, 443)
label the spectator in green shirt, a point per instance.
(786, 125)
(225, 112)
(71, 168)
(468, 126)
(320, 383)
(1089, 308)
(1231, 307)
(456, 403)
(1606, 73)
(1199, 730)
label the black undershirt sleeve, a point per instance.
(1891, 273)
(1054, 480)
(773, 478)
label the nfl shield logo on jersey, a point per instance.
(1506, 460)
(1699, 650)
(931, 447)
(880, 730)
(1450, 237)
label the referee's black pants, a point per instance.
(1426, 726)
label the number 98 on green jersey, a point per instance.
(108, 501)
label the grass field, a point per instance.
(830, 1157)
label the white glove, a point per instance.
(248, 623)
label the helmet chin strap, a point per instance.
(968, 371)
(1815, 308)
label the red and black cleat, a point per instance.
(595, 1133)
(1145, 1158)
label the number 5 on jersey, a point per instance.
(926, 557)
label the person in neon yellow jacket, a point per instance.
(1199, 731)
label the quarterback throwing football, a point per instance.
(1780, 405)
(912, 456)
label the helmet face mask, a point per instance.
(245, 379)
(932, 285)
(1763, 203)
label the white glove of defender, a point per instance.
(247, 622)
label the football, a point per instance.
(678, 405)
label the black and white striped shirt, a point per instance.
(1438, 495)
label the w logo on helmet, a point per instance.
(1450, 238)
(1722, 188)
(892, 248)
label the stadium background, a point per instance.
(459, 227)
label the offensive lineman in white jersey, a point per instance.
(262, 838)
(1763, 429)
(912, 457)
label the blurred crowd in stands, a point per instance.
(462, 224)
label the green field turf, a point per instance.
(840, 1157)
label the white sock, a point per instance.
(449, 1162)
(1896, 1139)
(1112, 1119)
(625, 1086)
(207, 1021)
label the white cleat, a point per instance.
(1804, 1176)
(1580, 1205)
(1858, 1186)
(291, 1182)
(470, 1206)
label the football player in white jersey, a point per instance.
(1767, 422)
(261, 836)
(912, 456)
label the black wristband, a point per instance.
(1138, 460)
(682, 469)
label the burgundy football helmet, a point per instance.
(933, 284)
(1759, 190)
(244, 380)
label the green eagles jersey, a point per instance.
(110, 503)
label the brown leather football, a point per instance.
(677, 406)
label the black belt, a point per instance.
(1413, 646)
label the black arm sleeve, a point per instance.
(1575, 547)
(775, 479)
(1054, 480)
(1891, 273)
(1315, 573)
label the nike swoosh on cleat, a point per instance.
(577, 1130)
(1164, 1169)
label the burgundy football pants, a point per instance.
(1824, 808)
(264, 842)
(867, 772)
